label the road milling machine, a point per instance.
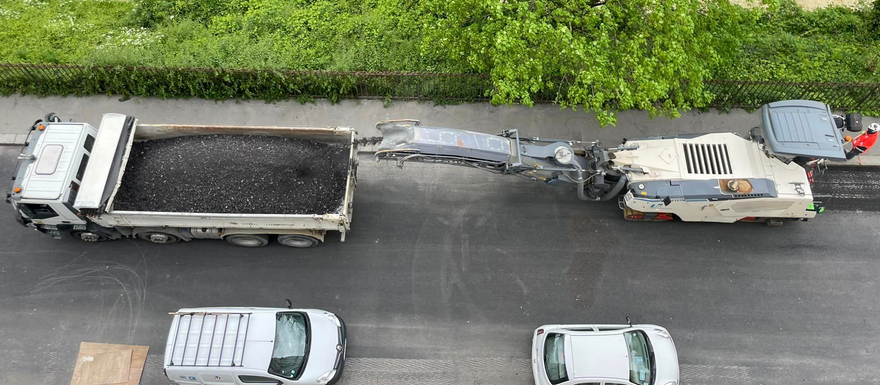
(717, 177)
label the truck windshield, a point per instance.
(641, 358)
(554, 358)
(291, 345)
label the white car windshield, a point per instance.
(641, 358)
(291, 345)
(554, 358)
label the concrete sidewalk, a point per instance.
(17, 114)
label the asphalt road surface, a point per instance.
(447, 272)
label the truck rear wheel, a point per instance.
(89, 236)
(298, 241)
(157, 237)
(248, 240)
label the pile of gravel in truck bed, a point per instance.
(252, 174)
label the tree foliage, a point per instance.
(596, 55)
(601, 56)
(787, 43)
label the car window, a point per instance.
(37, 211)
(291, 345)
(641, 358)
(82, 167)
(258, 380)
(554, 358)
(90, 141)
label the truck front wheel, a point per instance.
(89, 236)
(248, 240)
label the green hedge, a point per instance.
(271, 85)
(519, 51)
(219, 84)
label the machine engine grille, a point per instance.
(702, 158)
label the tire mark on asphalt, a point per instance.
(130, 285)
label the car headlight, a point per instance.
(662, 333)
(326, 377)
(333, 318)
(671, 383)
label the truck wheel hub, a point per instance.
(298, 242)
(248, 242)
(159, 238)
(89, 237)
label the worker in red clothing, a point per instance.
(864, 142)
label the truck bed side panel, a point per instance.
(333, 222)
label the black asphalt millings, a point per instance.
(251, 174)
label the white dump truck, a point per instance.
(71, 178)
(716, 177)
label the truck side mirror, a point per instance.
(854, 122)
(839, 122)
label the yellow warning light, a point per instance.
(41, 127)
(17, 190)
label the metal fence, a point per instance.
(210, 83)
(752, 94)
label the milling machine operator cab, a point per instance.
(802, 131)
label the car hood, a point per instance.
(665, 358)
(322, 351)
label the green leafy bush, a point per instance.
(596, 55)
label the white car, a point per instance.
(245, 345)
(604, 354)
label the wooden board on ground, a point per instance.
(109, 364)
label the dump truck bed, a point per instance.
(163, 205)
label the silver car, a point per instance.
(244, 345)
(604, 354)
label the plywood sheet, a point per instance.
(100, 364)
(106, 368)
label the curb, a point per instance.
(12, 139)
(862, 161)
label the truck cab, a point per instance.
(49, 174)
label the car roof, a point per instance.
(603, 355)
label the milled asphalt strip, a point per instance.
(488, 371)
(482, 370)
